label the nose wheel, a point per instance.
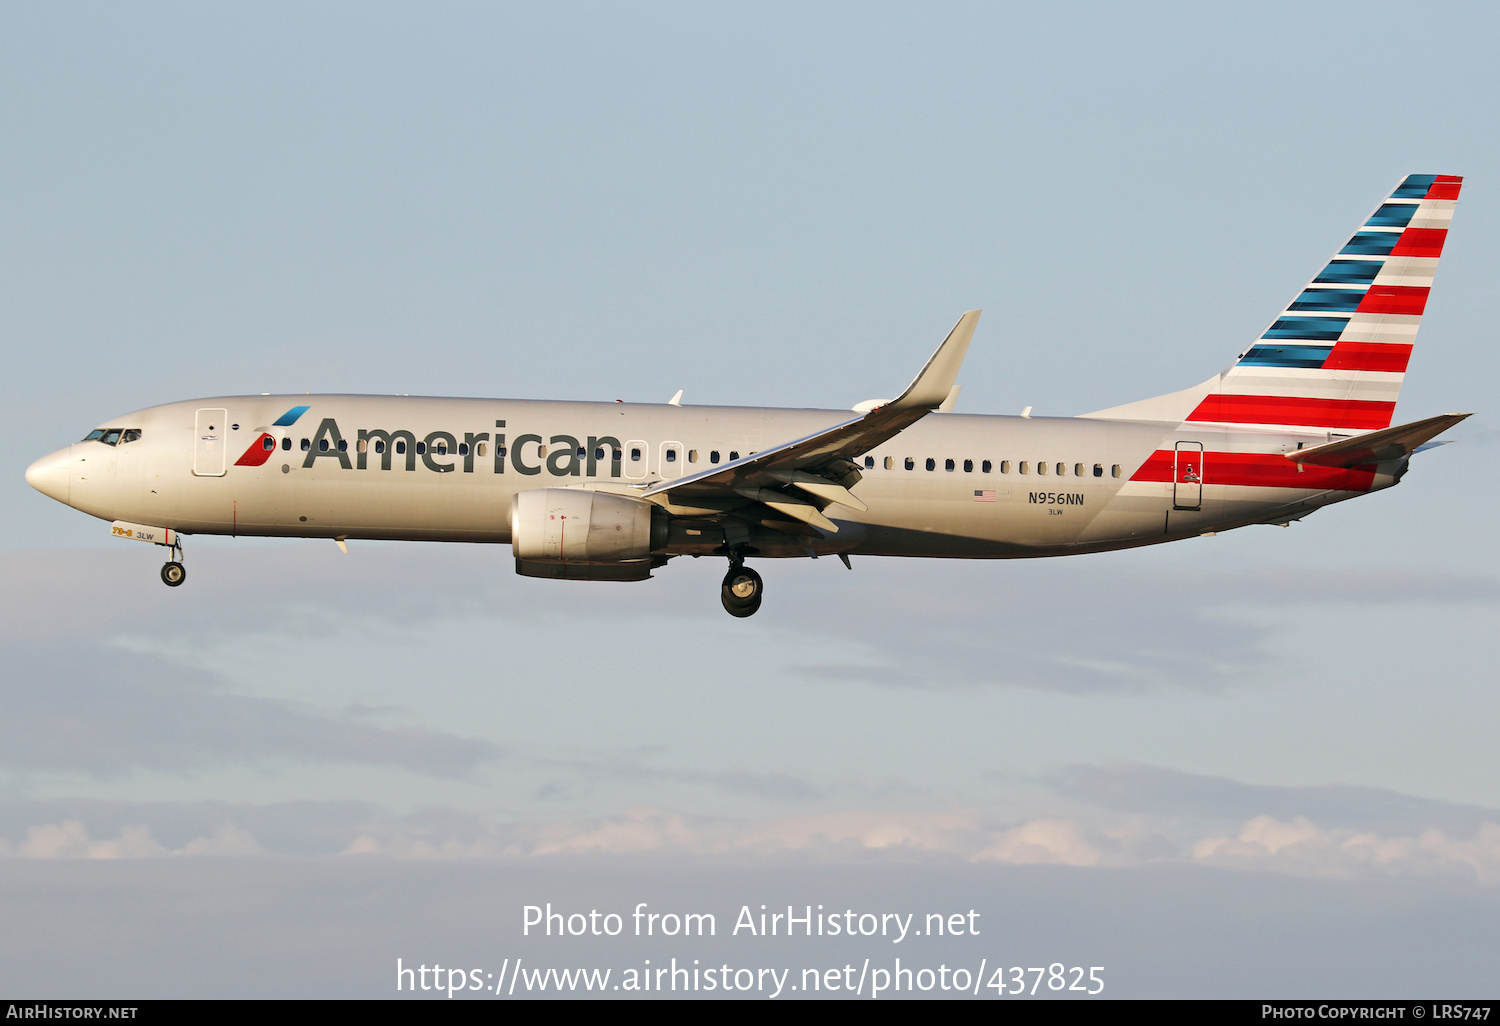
(742, 590)
(172, 572)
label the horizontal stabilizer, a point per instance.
(1391, 443)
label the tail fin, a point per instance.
(1335, 357)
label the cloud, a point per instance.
(1100, 625)
(772, 786)
(105, 711)
(1173, 794)
(1302, 848)
(71, 840)
(1296, 846)
(1064, 626)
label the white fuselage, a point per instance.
(951, 485)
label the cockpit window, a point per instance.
(113, 436)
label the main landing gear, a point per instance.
(172, 573)
(742, 589)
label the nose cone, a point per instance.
(50, 474)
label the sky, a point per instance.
(1254, 765)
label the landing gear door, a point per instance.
(1187, 476)
(210, 436)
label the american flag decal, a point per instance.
(984, 495)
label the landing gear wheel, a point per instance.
(742, 591)
(172, 574)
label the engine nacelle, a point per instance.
(575, 534)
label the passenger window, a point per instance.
(401, 446)
(713, 456)
(733, 455)
(1098, 470)
(1041, 468)
(1078, 470)
(1004, 466)
(931, 463)
(949, 465)
(499, 449)
(692, 455)
(671, 455)
(598, 453)
(421, 448)
(131, 435)
(268, 443)
(1025, 467)
(481, 449)
(1115, 470)
(306, 444)
(635, 455)
(911, 464)
(286, 443)
(869, 462)
(986, 466)
(463, 449)
(614, 455)
(968, 466)
(379, 445)
(541, 450)
(890, 463)
(1062, 468)
(343, 445)
(322, 445)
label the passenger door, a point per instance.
(210, 437)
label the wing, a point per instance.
(801, 477)
(1390, 443)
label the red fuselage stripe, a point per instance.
(1254, 469)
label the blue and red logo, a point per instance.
(260, 450)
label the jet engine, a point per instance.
(578, 535)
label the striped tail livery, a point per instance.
(1334, 358)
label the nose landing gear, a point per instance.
(172, 573)
(742, 589)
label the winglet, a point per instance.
(933, 385)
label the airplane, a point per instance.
(603, 491)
